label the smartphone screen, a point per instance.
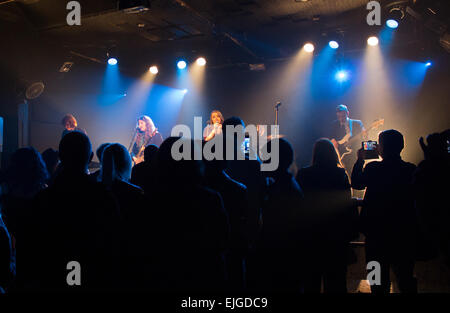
(370, 149)
(369, 145)
(246, 145)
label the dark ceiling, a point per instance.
(226, 31)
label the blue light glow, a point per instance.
(428, 63)
(392, 23)
(333, 44)
(341, 76)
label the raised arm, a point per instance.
(358, 174)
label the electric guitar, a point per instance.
(139, 157)
(347, 141)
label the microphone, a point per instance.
(277, 105)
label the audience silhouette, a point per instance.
(388, 217)
(99, 153)
(51, 160)
(23, 179)
(234, 195)
(6, 258)
(246, 171)
(177, 224)
(274, 264)
(115, 175)
(189, 222)
(142, 173)
(431, 183)
(75, 219)
(328, 220)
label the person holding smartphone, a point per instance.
(388, 216)
(214, 126)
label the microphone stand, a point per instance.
(277, 106)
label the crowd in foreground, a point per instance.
(218, 226)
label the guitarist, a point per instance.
(343, 129)
(146, 134)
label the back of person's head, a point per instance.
(234, 121)
(324, 154)
(238, 140)
(390, 143)
(179, 172)
(437, 145)
(27, 173)
(116, 164)
(75, 151)
(51, 159)
(100, 149)
(285, 153)
(150, 152)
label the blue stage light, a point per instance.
(333, 44)
(392, 23)
(341, 76)
(428, 63)
(112, 61)
(185, 90)
(181, 64)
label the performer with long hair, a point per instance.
(146, 134)
(214, 125)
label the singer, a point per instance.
(214, 125)
(146, 134)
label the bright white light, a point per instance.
(154, 69)
(201, 61)
(309, 47)
(341, 76)
(112, 61)
(428, 63)
(333, 44)
(392, 23)
(185, 90)
(372, 41)
(181, 64)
